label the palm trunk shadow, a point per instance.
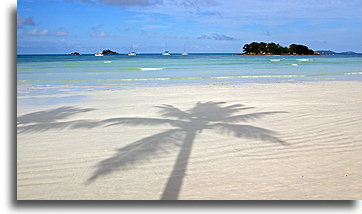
(185, 125)
(209, 115)
(137, 152)
(174, 183)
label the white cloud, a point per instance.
(216, 36)
(97, 32)
(61, 32)
(37, 32)
(122, 2)
(97, 27)
(102, 34)
(149, 27)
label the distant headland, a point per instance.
(329, 52)
(262, 48)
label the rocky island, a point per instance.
(262, 48)
(75, 53)
(108, 52)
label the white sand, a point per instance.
(311, 150)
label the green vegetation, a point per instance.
(104, 52)
(263, 48)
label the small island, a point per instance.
(108, 52)
(262, 48)
(75, 53)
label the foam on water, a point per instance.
(303, 60)
(151, 69)
(173, 78)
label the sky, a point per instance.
(194, 26)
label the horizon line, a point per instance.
(140, 53)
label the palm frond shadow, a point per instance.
(51, 119)
(186, 125)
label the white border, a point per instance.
(7, 204)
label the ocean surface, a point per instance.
(44, 74)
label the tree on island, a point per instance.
(263, 48)
(107, 51)
(300, 50)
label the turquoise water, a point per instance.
(118, 71)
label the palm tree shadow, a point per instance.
(186, 125)
(52, 119)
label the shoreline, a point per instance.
(63, 90)
(53, 95)
(122, 86)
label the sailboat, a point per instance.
(184, 53)
(166, 53)
(131, 53)
(98, 54)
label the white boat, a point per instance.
(184, 53)
(132, 54)
(98, 54)
(166, 53)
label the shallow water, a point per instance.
(117, 71)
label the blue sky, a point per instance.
(151, 26)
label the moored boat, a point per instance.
(132, 54)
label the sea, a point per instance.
(52, 74)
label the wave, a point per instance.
(188, 78)
(275, 60)
(151, 69)
(167, 78)
(304, 60)
(352, 73)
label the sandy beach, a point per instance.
(241, 142)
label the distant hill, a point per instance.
(350, 53)
(329, 52)
(326, 52)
